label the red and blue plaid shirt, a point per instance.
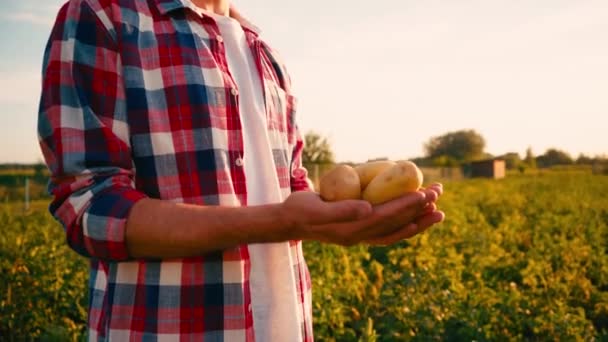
(137, 101)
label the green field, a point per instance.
(524, 258)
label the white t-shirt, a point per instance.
(272, 281)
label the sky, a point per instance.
(380, 78)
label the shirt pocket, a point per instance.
(281, 112)
(280, 107)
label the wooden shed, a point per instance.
(490, 168)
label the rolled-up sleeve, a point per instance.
(84, 134)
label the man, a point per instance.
(169, 128)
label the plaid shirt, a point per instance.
(137, 102)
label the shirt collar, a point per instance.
(167, 6)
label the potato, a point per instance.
(340, 183)
(369, 170)
(399, 179)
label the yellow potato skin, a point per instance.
(399, 179)
(340, 183)
(370, 170)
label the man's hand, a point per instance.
(353, 221)
(150, 231)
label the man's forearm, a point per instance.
(161, 229)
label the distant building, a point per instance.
(491, 168)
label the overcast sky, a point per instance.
(380, 81)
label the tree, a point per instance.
(584, 160)
(554, 157)
(422, 161)
(459, 146)
(530, 160)
(512, 160)
(445, 161)
(317, 149)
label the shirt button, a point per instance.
(234, 92)
(219, 39)
(239, 161)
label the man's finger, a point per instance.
(401, 234)
(345, 211)
(438, 187)
(432, 194)
(412, 229)
(431, 207)
(394, 215)
(414, 199)
(424, 222)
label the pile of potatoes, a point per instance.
(376, 182)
